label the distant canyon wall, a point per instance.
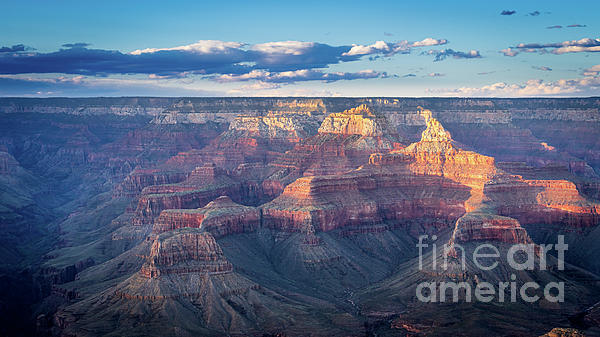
(399, 111)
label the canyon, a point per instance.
(290, 216)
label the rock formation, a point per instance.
(185, 251)
(219, 217)
(204, 184)
(485, 227)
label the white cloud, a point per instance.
(589, 85)
(299, 75)
(388, 48)
(429, 42)
(509, 52)
(283, 47)
(260, 85)
(593, 71)
(283, 91)
(200, 47)
(444, 53)
(377, 47)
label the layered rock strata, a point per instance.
(220, 217)
(185, 251)
(481, 226)
(203, 185)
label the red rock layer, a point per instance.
(137, 180)
(358, 198)
(185, 251)
(220, 217)
(328, 153)
(542, 202)
(429, 179)
(479, 226)
(344, 142)
(203, 185)
(511, 144)
(587, 187)
(250, 139)
(161, 140)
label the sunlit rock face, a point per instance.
(556, 202)
(366, 196)
(356, 121)
(343, 143)
(402, 184)
(435, 132)
(438, 154)
(289, 126)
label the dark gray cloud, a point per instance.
(293, 55)
(208, 58)
(534, 13)
(85, 87)
(542, 68)
(14, 49)
(569, 26)
(444, 53)
(388, 34)
(409, 75)
(508, 12)
(86, 61)
(76, 45)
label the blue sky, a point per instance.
(308, 48)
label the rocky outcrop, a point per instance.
(392, 185)
(430, 179)
(434, 132)
(564, 332)
(123, 106)
(204, 184)
(364, 197)
(185, 251)
(344, 142)
(250, 139)
(225, 110)
(555, 202)
(289, 127)
(481, 226)
(139, 179)
(219, 217)
(356, 121)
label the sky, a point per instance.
(525, 48)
